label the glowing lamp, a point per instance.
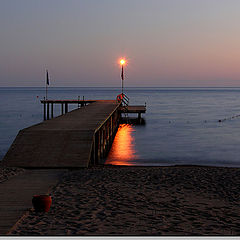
(122, 61)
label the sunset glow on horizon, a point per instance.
(170, 43)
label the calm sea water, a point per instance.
(181, 127)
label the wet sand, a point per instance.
(125, 201)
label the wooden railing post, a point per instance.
(99, 145)
(102, 143)
(111, 128)
(96, 138)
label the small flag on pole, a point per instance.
(47, 78)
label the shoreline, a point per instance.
(140, 201)
(166, 166)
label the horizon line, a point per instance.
(119, 87)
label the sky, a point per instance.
(167, 43)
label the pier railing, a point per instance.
(104, 135)
(64, 106)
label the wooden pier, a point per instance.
(79, 138)
(133, 109)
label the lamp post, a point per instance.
(122, 62)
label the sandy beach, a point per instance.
(8, 172)
(125, 201)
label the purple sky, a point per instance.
(167, 42)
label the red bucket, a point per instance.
(42, 203)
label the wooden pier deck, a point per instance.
(71, 140)
(134, 109)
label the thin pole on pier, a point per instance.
(122, 78)
(122, 62)
(47, 83)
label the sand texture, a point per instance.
(141, 201)
(8, 172)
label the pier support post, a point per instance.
(62, 108)
(139, 116)
(47, 111)
(66, 107)
(44, 111)
(52, 110)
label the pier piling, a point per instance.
(52, 110)
(47, 111)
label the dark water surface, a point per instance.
(182, 124)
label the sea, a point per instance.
(182, 126)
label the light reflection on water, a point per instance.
(123, 148)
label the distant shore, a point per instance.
(125, 201)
